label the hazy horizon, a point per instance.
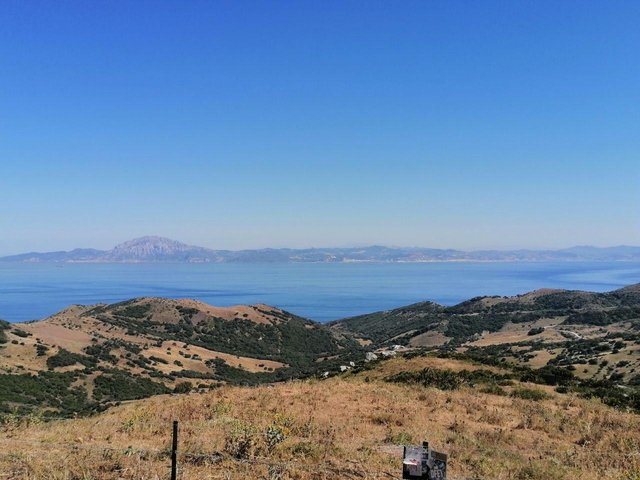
(108, 247)
(234, 126)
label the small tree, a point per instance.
(183, 387)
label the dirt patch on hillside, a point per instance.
(429, 339)
(52, 334)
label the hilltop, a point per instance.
(597, 335)
(99, 354)
(154, 249)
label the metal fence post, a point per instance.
(174, 452)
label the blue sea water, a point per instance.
(318, 291)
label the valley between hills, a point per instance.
(523, 387)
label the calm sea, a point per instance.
(318, 291)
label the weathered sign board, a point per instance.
(424, 463)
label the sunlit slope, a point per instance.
(596, 334)
(351, 426)
(87, 356)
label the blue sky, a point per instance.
(252, 124)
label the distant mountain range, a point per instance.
(153, 249)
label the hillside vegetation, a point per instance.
(349, 426)
(88, 357)
(595, 335)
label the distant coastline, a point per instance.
(345, 261)
(163, 250)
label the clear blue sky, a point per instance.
(251, 124)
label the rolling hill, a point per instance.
(594, 334)
(86, 357)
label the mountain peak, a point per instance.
(149, 240)
(155, 248)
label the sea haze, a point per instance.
(318, 291)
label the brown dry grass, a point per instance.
(396, 365)
(169, 352)
(334, 429)
(53, 334)
(518, 332)
(432, 338)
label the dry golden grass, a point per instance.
(431, 338)
(334, 429)
(54, 334)
(399, 364)
(169, 351)
(518, 332)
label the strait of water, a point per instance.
(319, 291)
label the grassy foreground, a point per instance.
(340, 428)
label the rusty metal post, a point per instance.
(174, 452)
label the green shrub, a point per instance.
(134, 311)
(157, 359)
(242, 441)
(48, 390)
(549, 375)
(529, 394)
(446, 379)
(183, 387)
(429, 377)
(41, 350)
(399, 438)
(493, 389)
(102, 351)
(21, 333)
(119, 385)
(65, 358)
(4, 326)
(535, 331)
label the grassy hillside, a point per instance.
(597, 335)
(88, 357)
(349, 426)
(393, 325)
